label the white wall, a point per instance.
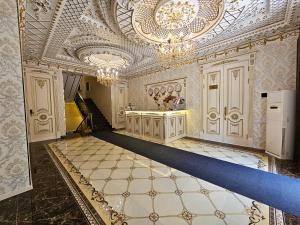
(275, 69)
(14, 165)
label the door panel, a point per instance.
(213, 105)
(236, 103)
(120, 105)
(42, 124)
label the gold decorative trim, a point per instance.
(224, 53)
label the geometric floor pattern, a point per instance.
(145, 192)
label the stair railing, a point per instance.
(87, 122)
(81, 105)
(86, 126)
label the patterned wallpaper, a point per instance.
(14, 173)
(275, 69)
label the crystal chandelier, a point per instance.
(107, 62)
(175, 48)
(107, 76)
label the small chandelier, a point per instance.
(175, 48)
(107, 76)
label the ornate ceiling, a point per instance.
(66, 32)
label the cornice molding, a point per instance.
(216, 56)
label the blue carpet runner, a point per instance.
(280, 192)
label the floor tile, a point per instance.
(164, 185)
(141, 172)
(187, 184)
(115, 201)
(226, 202)
(100, 174)
(98, 184)
(120, 173)
(125, 164)
(139, 186)
(161, 171)
(138, 206)
(197, 203)
(167, 204)
(140, 222)
(115, 187)
(171, 221)
(208, 220)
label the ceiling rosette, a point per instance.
(155, 21)
(105, 56)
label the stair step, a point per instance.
(99, 121)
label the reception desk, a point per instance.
(157, 126)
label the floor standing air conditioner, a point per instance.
(281, 123)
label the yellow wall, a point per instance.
(73, 116)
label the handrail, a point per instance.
(80, 96)
(88, 121)
(86, 114)
(79, 102)
(77, 129)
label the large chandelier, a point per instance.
(107, 76)
(175, 48)
(108, 67)
(108, 61)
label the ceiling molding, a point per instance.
(56, 36)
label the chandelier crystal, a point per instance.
(107, 76)
(176, 14)
(175, 48)
(107, 61)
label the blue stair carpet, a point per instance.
(280, 192)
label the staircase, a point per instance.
(97, 121)
(100, 123)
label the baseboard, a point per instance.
(227, 145)
(11, 194)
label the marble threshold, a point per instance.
(127, 188)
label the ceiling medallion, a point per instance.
(109, 62)
(154, 21)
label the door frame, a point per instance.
(248, 57)
(57, 86)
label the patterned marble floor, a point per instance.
(146, 192)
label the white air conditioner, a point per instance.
(281, 123)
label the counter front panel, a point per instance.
(161, 127)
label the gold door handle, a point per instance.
(225, 112)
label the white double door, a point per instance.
(226, 103)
